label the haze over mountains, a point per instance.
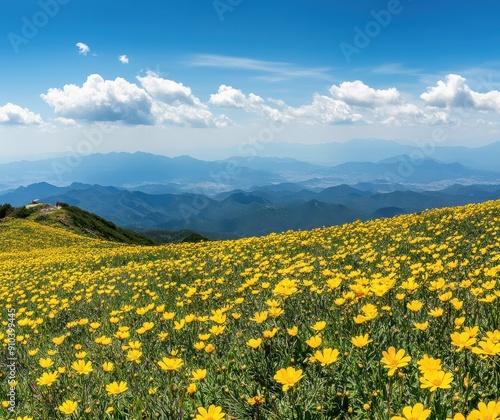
(246, 196)
(374, 150)
(373, 161)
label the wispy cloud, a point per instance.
(396, 68)
(274, 70)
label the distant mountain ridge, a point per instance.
(256, 195)
(159, 174)
(374, 150)
(249, 213)
(127, 170)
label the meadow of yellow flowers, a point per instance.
(390, 319)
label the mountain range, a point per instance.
(248, 213)
(373, 150)
(257, 195)
(386, 163)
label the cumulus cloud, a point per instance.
(385, 106)
(229, 97)
(454, 92)
(82, 48)
(346, 103)
(157, 101)
(123, 59)
(324, 109)
(223, 121)
(167, 90)
(183, 115)
(66, 121)
(102, 100)
(11, 114)
(153, 100)
(175, 103)
(358, 94)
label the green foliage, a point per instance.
(195, 238)
(96, 226)
(5, 210)
(23, 212)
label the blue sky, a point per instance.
(205, 74)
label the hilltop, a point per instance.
(78, 221)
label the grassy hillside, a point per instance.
(300, 325)
(80, 221)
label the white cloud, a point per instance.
(66, 121)
(159, 101)
(223, 121)
(11, 114)
(183, 115)
(175, 103)
(154, 100)
(385, 106)
(324, 109)
(348, 102)
(167, 90)
(358, 94)
(355, 101)
(229, 97)
(82, 48)
(102, 100)
(123, 59)
(454, 92)
(408, 114)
